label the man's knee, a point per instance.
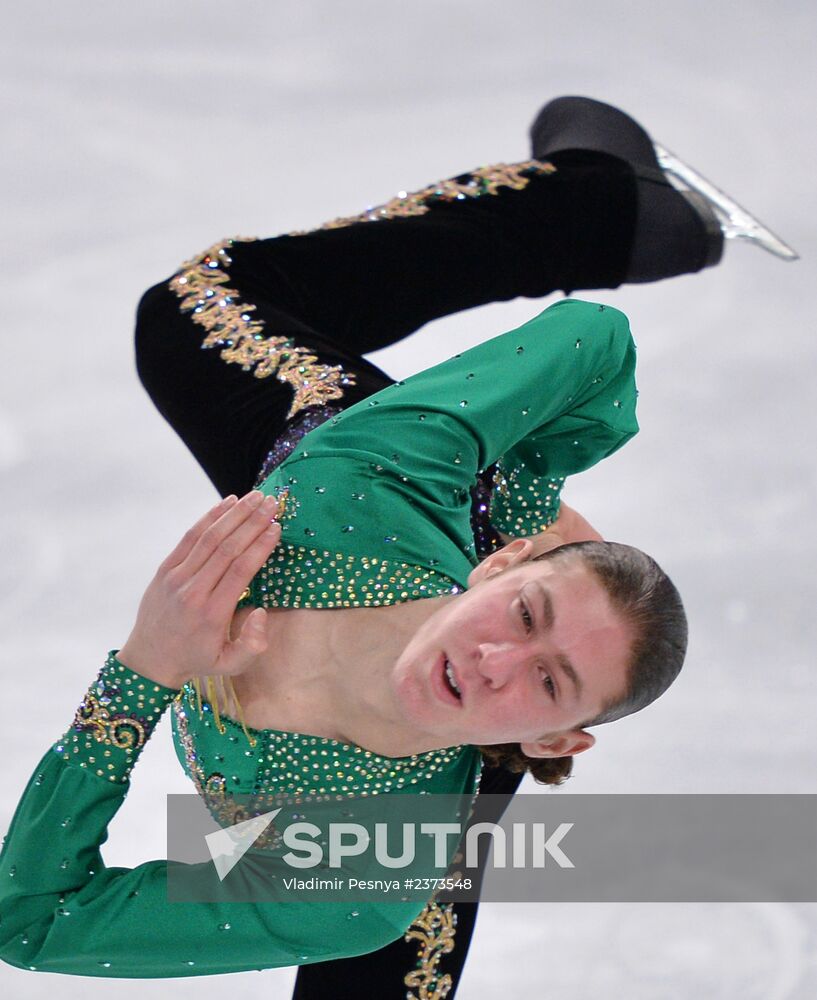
(154, 316)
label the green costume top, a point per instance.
(376, 512)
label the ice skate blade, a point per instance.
(736, 223)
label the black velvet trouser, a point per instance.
(337, 293)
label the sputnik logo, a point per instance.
(229, 845)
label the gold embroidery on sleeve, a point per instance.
(121, 731)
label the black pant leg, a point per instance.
(489, 235)
(433, 951)
(285, 320)
(226, 415)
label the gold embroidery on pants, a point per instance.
(484, 180)
(202, 284)
(434, 929)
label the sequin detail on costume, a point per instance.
(297, 429)
(123, 732)
(488, 180)
(524, 510)
(486, 537)
(113, 721)
(213, 787)
(202, 284)
(297, 576)
(312, 578)
(294, 766)
(434, 929)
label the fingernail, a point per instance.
(255, 499)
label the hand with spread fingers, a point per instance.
(183, 624)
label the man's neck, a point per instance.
(330, 671)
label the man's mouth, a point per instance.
(449, 676)
(450, 680)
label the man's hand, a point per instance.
(569, 526)
(182, 626)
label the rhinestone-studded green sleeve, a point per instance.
(113, 722)
(524, 504)
(62, 909)
(592, 376)
(543, 401)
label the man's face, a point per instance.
(535, 650)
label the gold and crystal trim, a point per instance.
(190, 756)
(521, 509)
(321, 579)
(434, 929)
(112, 730)
(202, 284)
(501, 484)
(213, 787)
(296, 764)
(118, 712)
(316, 766)
(482, 181)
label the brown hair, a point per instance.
(647, 599)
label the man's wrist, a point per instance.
(146, 664)
(114, 721)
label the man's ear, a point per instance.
(566, 744)
(518, 551)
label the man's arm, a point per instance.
(62, 909)
(541, 402)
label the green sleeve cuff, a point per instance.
(114, 721)
(522, 503)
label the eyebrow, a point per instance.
(548, 616)
(547, 621)
(567, 667)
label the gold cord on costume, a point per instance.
(240, 712)
(212, 698)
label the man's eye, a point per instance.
(550, 687)
(527, 617)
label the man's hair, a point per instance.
(642, 593)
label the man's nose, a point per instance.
(498, 662)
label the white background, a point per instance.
(136, 135)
